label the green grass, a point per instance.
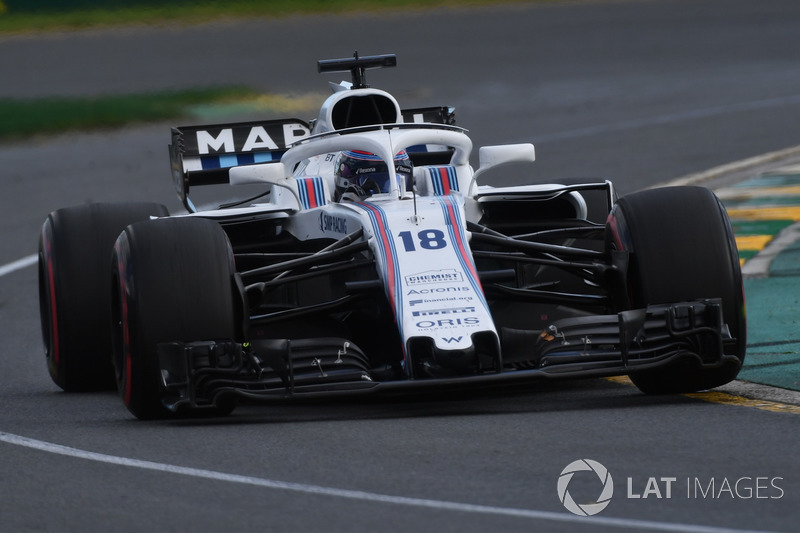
(27, 15)
(23, 117)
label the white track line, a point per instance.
(318, 490)
(743, 165)
(360, 495)
(19, 264)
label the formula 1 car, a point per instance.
(373, 259)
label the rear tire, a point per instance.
(74, 290)
(681, 248)
(174, 281)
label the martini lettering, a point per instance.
(249, 138)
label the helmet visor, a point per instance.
(372, 183)
(366, 174)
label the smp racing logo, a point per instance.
(332, 223)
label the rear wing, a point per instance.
(203, 155)
(428, 154)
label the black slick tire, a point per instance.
(174, 282)
(74, 290)
(681, 248)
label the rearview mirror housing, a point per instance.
(262, 173)
(495, 156)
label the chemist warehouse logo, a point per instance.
(595, 477)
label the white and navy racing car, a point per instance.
(375, 258)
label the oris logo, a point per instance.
(449, 322)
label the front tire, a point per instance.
(681, 248)
(74, 290)
(174, 281)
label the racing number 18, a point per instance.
(429, 239)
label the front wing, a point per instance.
(202, 374)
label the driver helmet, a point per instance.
(359, 175)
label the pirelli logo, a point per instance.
(450, 311)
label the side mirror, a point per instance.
(495, 156)
(262, 173)
(492, 156)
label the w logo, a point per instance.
(448, 340)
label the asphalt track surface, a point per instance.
(639, 92)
